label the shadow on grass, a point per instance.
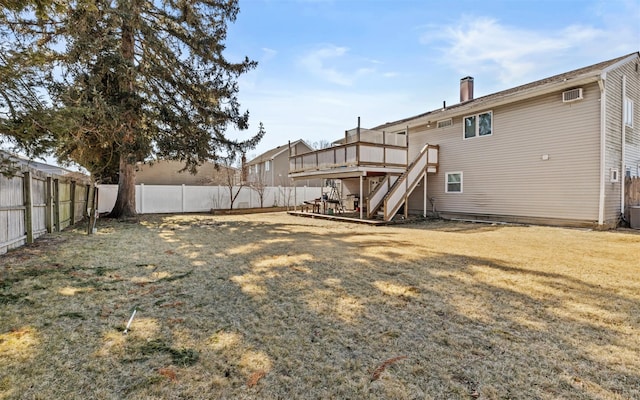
(295, 310)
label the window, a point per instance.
(454, 182)
(267, 165)
(613, 175)
(478, 125)
(628, 112)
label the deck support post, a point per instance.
(361, 199)
(295, 196)
(424, 183)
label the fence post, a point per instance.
(28, 205)
(142, 198)
(85, 208)
(92, 207)
(184, 197)
(48, 212)
(56, 204)
(72, 211)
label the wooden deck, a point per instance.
(349, 217)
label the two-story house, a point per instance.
(554, 151)
(271, 168)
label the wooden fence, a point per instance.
(631, 194)
(33, 203)
(632, 191)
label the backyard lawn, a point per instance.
(271, 306)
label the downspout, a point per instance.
(603, 111)
(623, 169)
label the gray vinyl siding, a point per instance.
(613, 129)
(278, 174)
(632, 139)
(504, 174)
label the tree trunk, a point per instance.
(125, 206)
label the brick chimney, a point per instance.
(466, 89)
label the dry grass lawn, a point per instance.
(271, 306)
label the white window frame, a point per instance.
(446, 182)
(628, 112)
(614, 175)
(477, 125)
(267, 165)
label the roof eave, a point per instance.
(465, 108)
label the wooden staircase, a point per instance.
(394, 191)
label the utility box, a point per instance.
(634, 217)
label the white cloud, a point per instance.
(268, 54)
(316, 63)
(336, 65)
(510, 53)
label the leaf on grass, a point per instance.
(255, 378)
(168, 373)
(378, 371)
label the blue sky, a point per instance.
(323, 63)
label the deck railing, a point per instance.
(425, 162)
(360, 147)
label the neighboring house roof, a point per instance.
(41, 166)
(273, 153)
(567, 79)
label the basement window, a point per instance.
(478, 125)
(454, 182)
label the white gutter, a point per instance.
(603, 112)
(623, 169)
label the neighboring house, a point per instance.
(271, 168)
(164, 172)
(554, 151)
(7, 159)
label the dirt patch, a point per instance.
(276, 306)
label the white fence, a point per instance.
(160, 199)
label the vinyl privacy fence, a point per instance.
(161, 199)
(33, 203)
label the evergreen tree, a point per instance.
(107, 83)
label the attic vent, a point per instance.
(444, 123)
(572, 95)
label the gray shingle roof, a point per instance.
(594, 70)
(271, 154)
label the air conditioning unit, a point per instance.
(572, 95)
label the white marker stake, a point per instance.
(130, 321)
